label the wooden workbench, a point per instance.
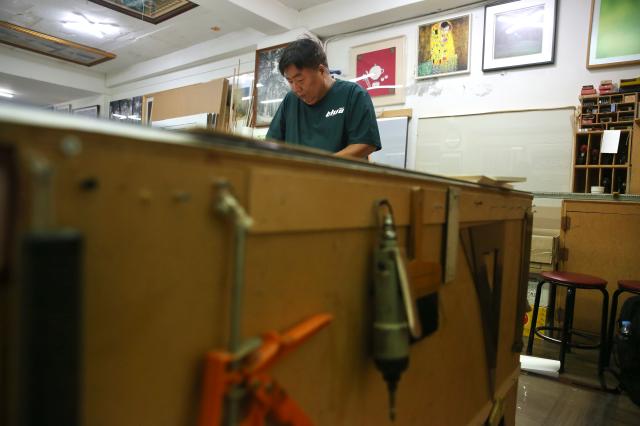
(156, 265)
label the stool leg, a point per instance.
(566, 329)
(570, 319)
(534, 319)
(612, 324)
(602, 358)
(551, 309)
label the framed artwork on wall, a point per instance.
(55, 47)
(379, 68)
(154, 11)
(90, 111)
(126, 110)
(614, 33)
(519, 33)
(443, 47)
(270, 87)
(66, 108)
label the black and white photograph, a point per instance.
(270, 87)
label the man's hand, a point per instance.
(358, 150)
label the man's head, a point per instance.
(304, 64)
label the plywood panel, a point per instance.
(199, 98)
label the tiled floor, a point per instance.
(546, 401)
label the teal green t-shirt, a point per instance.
(344, 116)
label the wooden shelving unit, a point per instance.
(617, 111)
(608, 112)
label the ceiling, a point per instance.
(212, 31)
(33, 92)
(135, 41)
(302, 4)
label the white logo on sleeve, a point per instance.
(334, 112)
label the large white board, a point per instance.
(537, 145)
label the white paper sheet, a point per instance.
(610, 140)
(547, 367)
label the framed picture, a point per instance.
(241, 86)
(153, 11)
(614, 33)
(90, 111)
(519, 33)
(379, 69)
(24, 38)
(443, 47)
(270, 87)
(126, 110)
(66, 108)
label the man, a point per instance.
(321, 112)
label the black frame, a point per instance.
(532, 64)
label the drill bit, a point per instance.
(391, 386)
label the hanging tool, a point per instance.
(266, 398)
(394, 309)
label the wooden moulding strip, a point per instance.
(614, 207)
(501, 393)
(286, 201)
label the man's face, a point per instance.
(306, 83)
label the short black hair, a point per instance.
(303, 53)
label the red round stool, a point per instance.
(629, 286)
(572, 281)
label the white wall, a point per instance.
(549, 86)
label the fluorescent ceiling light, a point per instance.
(246, 98)
(6, 93)
(80, 22)
(271, 101)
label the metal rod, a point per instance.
(592, 197)
(227, 204)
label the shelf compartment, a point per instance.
(580, 180)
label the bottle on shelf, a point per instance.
(594, 156)
(606, 159)
(581, 160)
(606, 183)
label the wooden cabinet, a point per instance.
(608, 112)
(599, 238)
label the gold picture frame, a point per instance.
(160, 10)
(613, 32)
(55, 47)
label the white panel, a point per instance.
(393, 136)
(534, 144)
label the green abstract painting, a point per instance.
(615, 33)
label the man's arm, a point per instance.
(359, 150)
